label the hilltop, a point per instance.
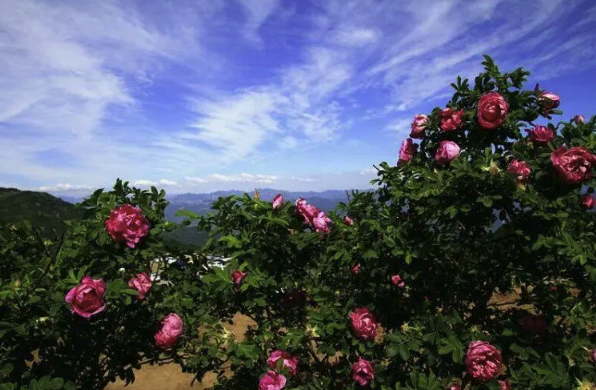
(41, 209)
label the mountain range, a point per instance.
(200, 203)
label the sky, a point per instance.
(205, 95)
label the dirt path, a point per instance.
(170, 376)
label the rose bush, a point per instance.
(471, 265)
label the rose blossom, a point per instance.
(362, 372)
(142, 283)
(588, 202)
(483, 361)
(573, 165)
(450, 119)
(407, 150)
(533, 324)
(492, 110)
(322, 222)
(170, 331)
(272, 381)
(505, 385)
(593, 355)
(278, 201)
(364, 323)
(308, 211)
(549, 101)
(348, 221)
(447, 152)
(237, 278)
(579, 119)
(290, 362)
(127, 224)
(541, 134)
(519, 169)
(355, 269)
(87, 298)
(418, 126)
(455, 386)
(397, 281)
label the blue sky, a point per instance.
(201, 95)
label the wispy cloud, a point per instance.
(241, 178)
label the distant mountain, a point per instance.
(41, 209)
(201, 203)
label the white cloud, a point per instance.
(166, 182)
(145, 183)
(357, 37)
(368, 171)
(241, 178)
(257, 12)
(64, 187)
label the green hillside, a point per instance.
(41, 209)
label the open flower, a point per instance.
(520, 169)
(541, 135)
(364, 323)
(169, 332)
(289, 362)
(362, 372)
(418, 126)
(237, 278)
(272, 381)
(492, 110)
(483, 361)
(574, 165)
(127, 224)
(588, 202)
(278, 201)
(87, 298)
(407, 150)
(447, 152)
(397, 281)
(451, 119)
(142, 283)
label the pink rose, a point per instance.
(492, 110)
(362, 372)
(447, 152)
(549, 101)
(450, 119)
(483, 361)
(588, 202)
(418, 126)
(142, 283)
(272, 381)
(505, 385)
(127, 224)
(407, 150)
(364, 323)
(87, 298)
(593, 355)
(573, 165)
(278, 201)
(348, 221)
(579, 119)
(396, 280)
(541, 135)
(454, 386)
(322, 222)
(533, 324)
(289, 362)
(355, 269)
(170, 331)
(238, 278)
(519, 169)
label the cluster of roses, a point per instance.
(483, 361)
(279, 362)
(125, 224)
(573, 165)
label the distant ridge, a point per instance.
(41, 209)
